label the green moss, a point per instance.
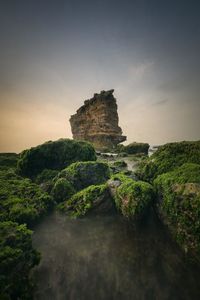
(54, 155)
(84, 201)
(121, 176)
(46, 176)
(134, 148)
(8, 160)
(62, 190)
(179, 205)
(21, 200)
(120, 164)
(83, 174)
(132, 198)
(167, 158)
(17, 258)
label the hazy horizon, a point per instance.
(56, 54)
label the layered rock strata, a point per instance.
(97, 121)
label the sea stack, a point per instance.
(97, 121)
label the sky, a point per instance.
(55, 54)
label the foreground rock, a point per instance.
(97, 121)
(78, 176)
(93, 199)
(167, 158)
(8, 160)
(22, 201)
(132, 198)
(179, 205)
(55, 155)
(17, 258)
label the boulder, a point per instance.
(93, 199)
(82, 174)
(179, 205)
(132, 198)
(55, 155)
(134, 148)
(167, 158)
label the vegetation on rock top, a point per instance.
(62, 190)
(132, 198)
(134, 148)
(179, 205)
(55, 155)
(167, 158)
(17, 258)
(93, 198)
(83, 174)
(21, 200)
(8, 160)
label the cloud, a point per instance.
(160, 102)
(139, 71)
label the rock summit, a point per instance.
(97, 121)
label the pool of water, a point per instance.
(105, 257)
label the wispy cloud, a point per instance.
(140, 70)
(160, 102)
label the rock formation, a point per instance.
(97, 121)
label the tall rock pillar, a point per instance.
(97, 121)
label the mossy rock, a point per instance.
(167, 158)
(22, 200)
(83, 174)
(62, 190)
(8, 160)
(17, 258)
(45, 176)
(179, 205)
(95, 198)
(55, 155)
(46, 180)
(132, 198)
(120, 164)
(134, 148)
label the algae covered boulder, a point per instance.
(167, 158)
(83, 174)
(179, 205)
(118, 166)
(62, 190)
(132, 198)
(134, 148)
(17, 258)
(47, 175)
(95, 198)
(8, 160)
(22, 200)
(55, 155)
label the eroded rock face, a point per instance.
(97, 121)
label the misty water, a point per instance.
(105, 257)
